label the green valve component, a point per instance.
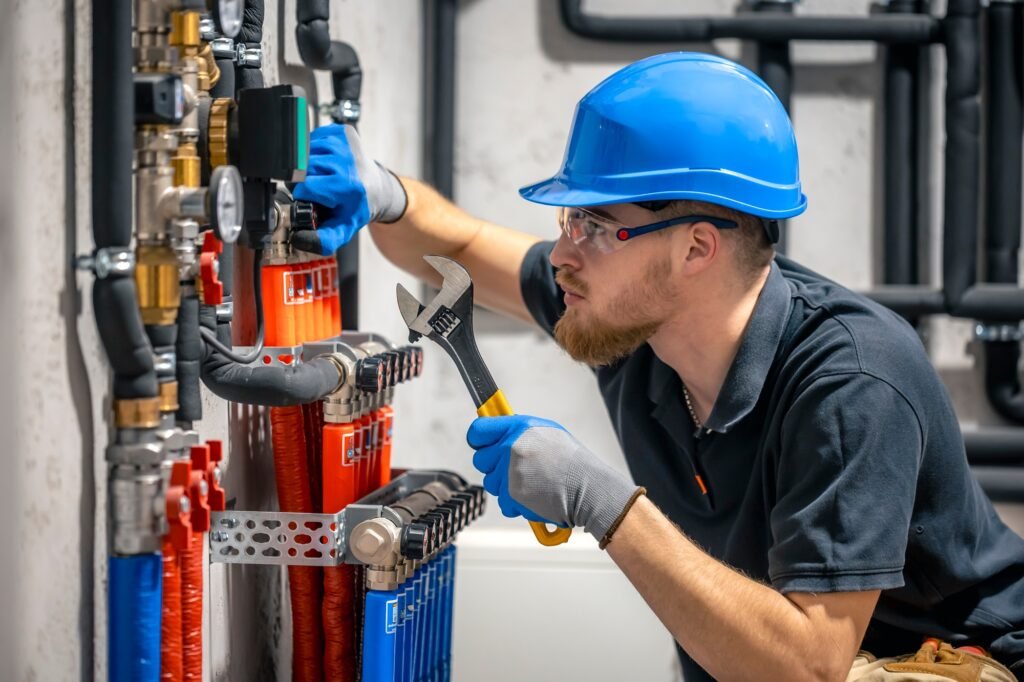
(302, 135)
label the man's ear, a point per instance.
(701, 244)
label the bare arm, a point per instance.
(433, 225)
(735, 627)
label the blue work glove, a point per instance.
(356, 189)
(539, 471)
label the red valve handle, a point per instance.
(213, 288)
(217, 496)
(179, 522)
(198, 490)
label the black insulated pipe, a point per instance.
(250, 35)
(225, 85)
(275, 386)
(962, 157)
(883, 28)
(995, 446)
(899, 165)
(774, 63)
(775, 66)
(189, 352)
(318, 51)
(114, 299)
(1004, 127)
(120, 327)
(1001, 484)
(439, 123)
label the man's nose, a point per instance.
(565, 254)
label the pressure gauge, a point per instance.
(224, 203)
(227, 14)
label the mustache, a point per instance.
(567, 280)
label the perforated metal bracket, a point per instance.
(287, 539)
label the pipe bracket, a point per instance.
(999, 332)
(294, 539)
(108, 262)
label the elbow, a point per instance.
(818, 666)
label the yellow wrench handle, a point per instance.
(497, 406)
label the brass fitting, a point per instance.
(210, 62)
(186, 36)
(168, 396)
(217, 133)
(137, 413)
(185, 31)
(186, 166)
(156, 279)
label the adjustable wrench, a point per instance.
(447, 320)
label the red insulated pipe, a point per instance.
(192, 610)
(170, 622)
(305, 582)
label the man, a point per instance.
(804, 484)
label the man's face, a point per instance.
(614, 301)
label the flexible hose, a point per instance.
(340, 584)
(134, 619)
(192, 609)
(210, 336)
(305, 582)
(339, 623)
(171, 662)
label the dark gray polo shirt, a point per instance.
(832, 461)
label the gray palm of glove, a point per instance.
(384, 193)
(539, 471)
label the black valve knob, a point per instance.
(411, 355)
(394, 362)
(415, 541)
(159, 98)
(459, 519)
(435, 526)
(303, 216)
(369, 375)
(481, 498)
(417, 354)
(387, 369)
(444, 534)
(468, 500)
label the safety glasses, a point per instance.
(583, 226)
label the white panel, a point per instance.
(527, 612)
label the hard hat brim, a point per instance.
(556, 192)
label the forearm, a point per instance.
(433, 225)
(734, 627)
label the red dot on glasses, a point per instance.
(623, 235)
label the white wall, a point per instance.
(519, 75)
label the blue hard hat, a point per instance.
(683, 125)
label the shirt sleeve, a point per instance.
(845, 481)
(541, 294)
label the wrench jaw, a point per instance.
(447, 320)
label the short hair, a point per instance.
(754, 250)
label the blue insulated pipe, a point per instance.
(379, 636)
(133, 636)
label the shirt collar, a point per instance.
(750, 367)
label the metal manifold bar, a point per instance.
(414, 517)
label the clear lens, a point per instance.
(583, 227)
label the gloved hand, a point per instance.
(357, 189)
(539, 471)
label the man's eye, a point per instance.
(592, 229)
